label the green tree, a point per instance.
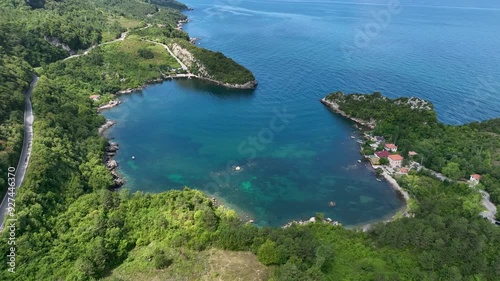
(384, 161)
(452, 170)
(268, 253)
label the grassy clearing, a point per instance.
(207, 265)
(127, 22)
(108, 36)
(126, 60)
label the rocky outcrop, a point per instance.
(117, 180)
(106, 126)
(110, 104)
(112, 147)
(57, 43)
(312, 220)
(189, 59)
(111, 164)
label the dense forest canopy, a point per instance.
(71, 227)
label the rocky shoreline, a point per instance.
(335, 107)
(312, 220)
(250, 85)
(106, 126)
(112, 165)
(247, 86)
(110, 104)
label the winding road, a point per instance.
(24, 158)
(491, 209)
(122, 37)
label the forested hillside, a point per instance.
(71, 227)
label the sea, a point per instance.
(276, 154)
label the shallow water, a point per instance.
(192, 133)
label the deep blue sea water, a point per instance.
(188, 132)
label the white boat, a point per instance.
(379, 179)
(359, 161)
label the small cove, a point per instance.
(185, 132)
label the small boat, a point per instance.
(133, 157)
(353, 137)
(331, 204)
(359, 161)
(379, 179)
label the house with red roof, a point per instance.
(391, 147)
(395, 160)
(475, 178)
(404, 171)
(382, 154)
(412, 153)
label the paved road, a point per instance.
(491, 210)
(24, 158)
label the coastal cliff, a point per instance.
(212, 66)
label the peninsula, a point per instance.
(404, 139)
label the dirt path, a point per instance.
(122, 37)
(184, 67)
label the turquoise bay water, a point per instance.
(188, 132)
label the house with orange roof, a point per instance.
(391, 147)
(395, 160)
(404, 171)
(475, 178)
(95, 97)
